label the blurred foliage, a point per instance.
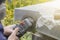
(11, 4)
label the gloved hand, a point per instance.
(8, 29)
(13, 35)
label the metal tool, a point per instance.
(36, 11)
